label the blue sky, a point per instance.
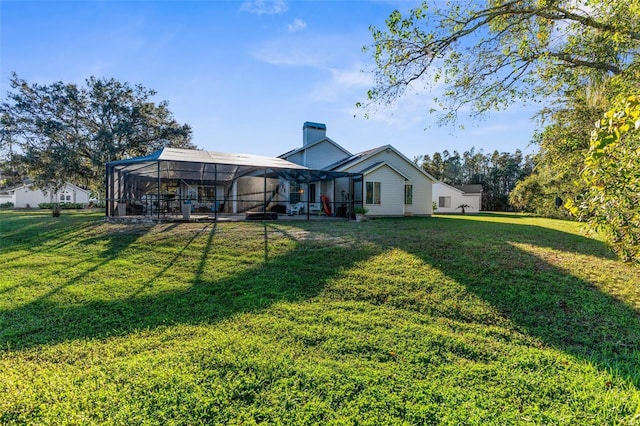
(245, 75)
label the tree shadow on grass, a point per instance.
(524, 272)
(40, 235)
(200, 297)
(548, 284)
(36, 233)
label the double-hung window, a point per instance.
(408, 194)
(294, 192)
(373, 193)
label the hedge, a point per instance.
(62, 205)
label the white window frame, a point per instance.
(408, 194)
(375, 191)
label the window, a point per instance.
(408, 194)
(444, 202)
(295, 190)
(373, 193)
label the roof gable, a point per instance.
(351, 160)
(12, 189)
(75, 187)
(449, 187)
(312, 144)
(362, 156)
(31, 187)
(380, 164)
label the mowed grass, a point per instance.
(486, 319)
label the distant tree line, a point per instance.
(497, 172)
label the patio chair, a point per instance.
(297, 208)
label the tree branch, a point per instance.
(603, 66)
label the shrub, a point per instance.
(97, 205)
(611, 173)
(7, 205)
(67, 206)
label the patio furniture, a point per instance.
(297, 208)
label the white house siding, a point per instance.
(457, 198)
(7, 198)
(391, 192)
(25, 197)
(422, 203)
(322, 153)
(78, 195)
(297, 158)
(317, 155)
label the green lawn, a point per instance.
(487, 319)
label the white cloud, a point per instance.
(411, 109)
(340, 75)
(293, 56)
(342, 82)
(324, 51)
(514, 124)
(297, 25)
(264, 7)
(353, 77)
(293, 52)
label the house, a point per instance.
(320, 178)
(449, 198)
(392, 185)
(28, 196)
(172, 182)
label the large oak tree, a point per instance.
(63, 132)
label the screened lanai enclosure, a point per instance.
(190, 184)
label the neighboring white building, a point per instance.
(27, 195)
(448, 198)
(393, 185)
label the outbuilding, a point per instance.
(452, 198)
